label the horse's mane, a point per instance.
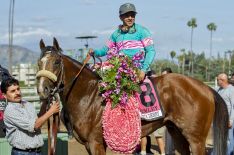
(87, 68)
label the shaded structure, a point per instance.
(86, 38)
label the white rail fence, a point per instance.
(30, 94)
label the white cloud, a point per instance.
(89, 2)
(41, 19)
(217, 39)
(103, 32)
(232, 39)
(22, 35)
(38, 31)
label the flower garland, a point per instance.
(120, 79)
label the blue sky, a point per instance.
(166, 19)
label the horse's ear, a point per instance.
(42, 44)
(56, 44)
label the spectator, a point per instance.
(226, 91)
(158, 134)
(231, 81)
(2, 109)
(22, 125)
(4, 74)
(166, 70)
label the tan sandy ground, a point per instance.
(75, 148)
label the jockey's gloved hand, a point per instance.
(142, 76)
(91, 52)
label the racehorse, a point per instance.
(189, 105)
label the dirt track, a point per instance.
(75, 148)
(72, 147)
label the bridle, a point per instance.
(54, 95)
(60, 86)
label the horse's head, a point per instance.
(50, 69)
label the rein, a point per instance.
(52, 131)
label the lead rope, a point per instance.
(52, 131)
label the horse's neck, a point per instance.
(86, 78)
(72, 67)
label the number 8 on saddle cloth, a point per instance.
(150, 106)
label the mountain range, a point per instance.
(20, 55)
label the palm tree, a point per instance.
(183, 60)
(193, 24)
(172, 54)
(211, 27)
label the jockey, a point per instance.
(130, 38)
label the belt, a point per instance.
(38, 150)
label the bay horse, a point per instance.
(189, 105)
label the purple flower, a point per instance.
(120, 69)
(117, 91)
(137, 64)
(124, 65)
(107, 94)
(117, 77)
(127, 71)
(124, 98)
(138, 56)
(112, 53)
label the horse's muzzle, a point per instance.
(44, 88)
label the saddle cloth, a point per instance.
(149, 103)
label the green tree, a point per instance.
(193, 24)
(211, 27)
(172, 54)
(158, 65)
(181, 60)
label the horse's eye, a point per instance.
(57, 62)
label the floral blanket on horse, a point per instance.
(122, 124)
(119, 86)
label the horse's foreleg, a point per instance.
(66, 121)
(180, 143)
(198, 148)
(96, 148)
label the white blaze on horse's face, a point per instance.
(44, 60)
(47, 72)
